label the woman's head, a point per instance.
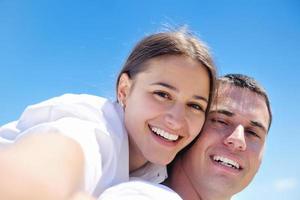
(179, 42)
(166, 87)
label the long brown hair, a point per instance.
(178, 42)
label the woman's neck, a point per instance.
(136, 158)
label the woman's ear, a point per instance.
(124, 88)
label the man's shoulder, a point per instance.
(139, 189)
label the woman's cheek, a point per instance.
(196, 122)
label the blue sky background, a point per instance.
(48, 48)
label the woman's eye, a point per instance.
(196, 107)
(161, 94)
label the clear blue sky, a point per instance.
(52, 47)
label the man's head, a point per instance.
(229, 150)
(246, 82)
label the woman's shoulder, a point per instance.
(81, 106)
(69, 98)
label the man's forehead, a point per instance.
(232, 96)
(242, 102)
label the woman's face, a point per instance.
(164, 106)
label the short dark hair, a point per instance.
(244, 81)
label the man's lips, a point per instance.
(227, 162)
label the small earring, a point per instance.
(122, 104)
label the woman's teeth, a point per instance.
(164, 134)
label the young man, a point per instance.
(228, 152)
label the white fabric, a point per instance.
(150, 172)
(97, 125)
(140, 190)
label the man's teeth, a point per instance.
(164, 134)
(226, 162)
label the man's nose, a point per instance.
(175, 117)
(236, 140)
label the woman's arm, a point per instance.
(41, 166)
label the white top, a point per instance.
(97, 125)
(140, 190)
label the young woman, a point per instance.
(86, 143)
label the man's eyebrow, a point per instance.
(224, 112)
(259, 125)
(175, 89)
(230, 114)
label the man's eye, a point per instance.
(252, 133)
(162, 95)
(218, 121)
(196, 107)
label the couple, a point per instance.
(86, 143)
(224, 158)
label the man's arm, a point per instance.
(41, 166)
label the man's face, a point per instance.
(229, 150)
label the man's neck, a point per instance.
(179, 180)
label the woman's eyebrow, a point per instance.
(165, 85)
(198, 97)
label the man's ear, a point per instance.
(124, 88)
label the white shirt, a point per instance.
(97, 125)
(140, 190)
